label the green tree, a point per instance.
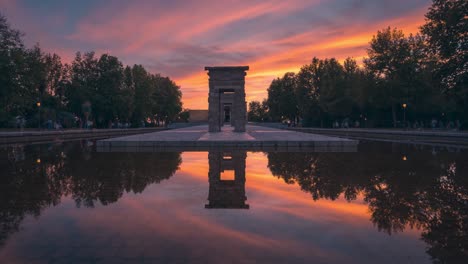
(57, 79)
(257, 111)
(389, 61)
(125, 104)
(167, 99)
(358, 83)
(184, 115)
(91, 88)
(446, 30)
(82, 86)
(334, 98)
(142, 99)
(47, 79)
(307, 91)
(282, 102)
(11, 62)
(109, 84)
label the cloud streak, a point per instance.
(179, 38)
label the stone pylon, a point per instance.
(226, 98)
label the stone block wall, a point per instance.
(227, 80)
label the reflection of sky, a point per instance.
(178, 38)
(168, 221)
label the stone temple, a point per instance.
(227, 130)
(226, 99)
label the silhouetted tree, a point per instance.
(388, 60)
(14, 96)
(91, 88)
(257, 111)
(446, 26)
(167, 99)
(281, 100)
(307, 92)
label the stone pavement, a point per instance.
(458, 139)
(28, 137)
(198, 138)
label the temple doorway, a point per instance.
(227, 114)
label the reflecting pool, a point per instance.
(385, 203)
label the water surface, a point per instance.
(386, 203)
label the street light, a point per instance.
(39, 114)
(404, 113)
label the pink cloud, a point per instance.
(178, 39)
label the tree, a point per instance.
(57, 79)
(334, 98)
(126, 100)
(257, 111)
(142, 99)
(98, 89)
(307, 91)
(389, 57)
(423, 94)
(281, 100)
(446, 30)
(109, 84)
(82, 86)
(184, 116)
(166, 97)
(13, 94)
(359, 84)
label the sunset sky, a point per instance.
(178, 38)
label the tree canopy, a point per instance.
(38, 86)
(404, 80)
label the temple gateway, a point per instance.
(226, 99)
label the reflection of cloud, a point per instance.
(168, 221)
(179, 38)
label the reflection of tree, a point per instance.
(47, 173)
(27, 186)
(447, 223)
(106, 176)
(322, 175)
(425, 190)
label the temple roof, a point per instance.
(226, 68)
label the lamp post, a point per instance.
(404, 113)
(39, 114)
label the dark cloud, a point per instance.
(178, 38)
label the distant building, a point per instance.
(198, 116)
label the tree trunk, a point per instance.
(394, 115)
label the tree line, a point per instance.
(404, 81)
(37, 88)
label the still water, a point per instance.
(386, 203)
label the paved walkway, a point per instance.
(410, 132)
(428, 137)
(27, 137)
(255, 138)
(44, 132)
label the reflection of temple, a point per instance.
(227, 180)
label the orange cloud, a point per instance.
(178, 39)
(352, 43)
